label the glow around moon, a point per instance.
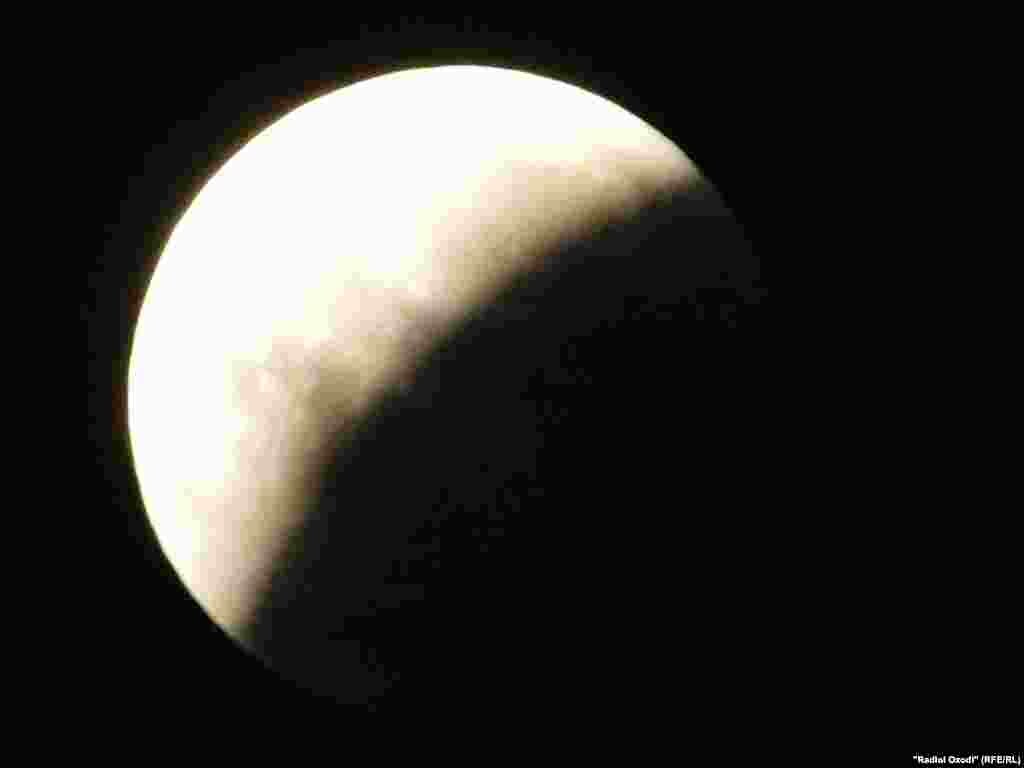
(316, 267)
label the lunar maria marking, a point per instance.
(319, 267)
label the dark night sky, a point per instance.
(578, 599)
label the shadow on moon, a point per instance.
(534, 504)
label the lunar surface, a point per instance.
(315, 272)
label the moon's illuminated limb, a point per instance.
(316, 266)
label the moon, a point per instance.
(316, 270)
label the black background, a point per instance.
(640, 563)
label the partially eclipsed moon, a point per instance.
(316, 268)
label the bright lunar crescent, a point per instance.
(313, 271)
